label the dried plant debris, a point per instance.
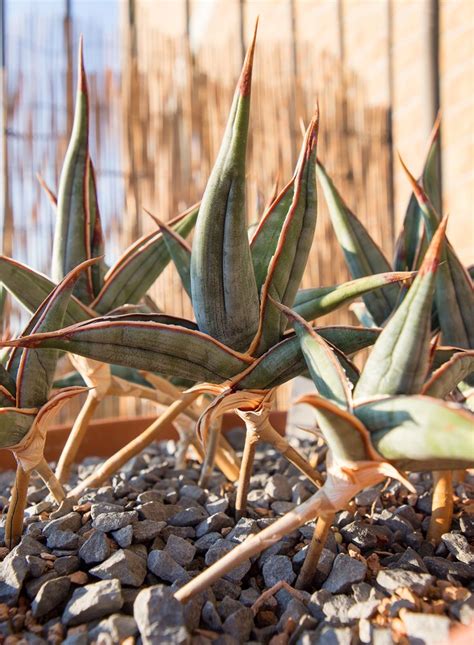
(106, 565)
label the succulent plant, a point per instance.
(390, 422)
(238, 350)
(26, 406)
(78, 237)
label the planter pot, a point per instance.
(105, 436)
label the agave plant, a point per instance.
(78, 236)
(238, 350)
(391, 421)
(26, 404)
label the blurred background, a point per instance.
(161, 76)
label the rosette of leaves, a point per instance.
(238, 349)
(453, 308)
(393, 420)
(99, 290)
(26, 404)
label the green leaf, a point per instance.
(14, 424)
(141, 264)
(344, 433)
(319, 301)
(363, 256)
(96, 238)
(31, 288)
(326, 372)
(399, 360)
(449, 375)
(418, 432)
(36, 369)
(288, 261)
(411, 244)
(454, 293)
(285, 360)
(224, 291)
(71, 237)
(7, 381)
(180, 253)
(265, 238)
(151, 346)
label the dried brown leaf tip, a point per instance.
(420, 194)
(245, 81)
(433, 254)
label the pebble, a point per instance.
(188, 517)
(160, 617)
(147, 530)
(36, 566)
(392, 579)
(92, 602)
(66, 565)
(242, 530)
(180, 550)
(344, 573)
(411, 561)
(426, 628)
(62, 539)
(276, 568)
(278, 488)
(95, 549)
(214, 523)
(113, 521)
(458, 545)
(117, 627)
(162, 565)
(239, 623)
(124, 536)
(123, 565)
(50, 595)
(217, 551)
(69, 522)
(337, 608)
(442, 568)
(210, 616)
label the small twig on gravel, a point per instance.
(281, 584)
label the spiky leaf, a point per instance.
(448, 376)
(141, 264)
(291, 254)
(319, 301)
(399, 360)
(224, 291)
(31, 288)
(363, 256)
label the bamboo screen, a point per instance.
(157, 114)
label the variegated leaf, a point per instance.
(419, 432)
(14, 424)
(399, 360)
(224, 291)
(36, 368)
(363, 256)
(319, 301)
(325, 370)
(411, 244)
(156, 347)
(448, 376)
(31, 288)
(72, 234)
(454, 290)
(141, 264)
(289, 259)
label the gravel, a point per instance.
(104, 567)
(92, 602)
(125, 566)
(344, 573)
